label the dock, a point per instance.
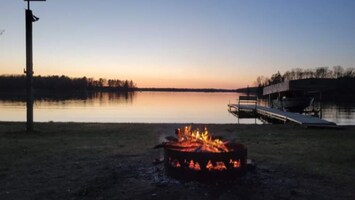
(273, 113)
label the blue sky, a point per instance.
(180, 43)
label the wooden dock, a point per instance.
(273, 113)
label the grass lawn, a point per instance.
(114, 161)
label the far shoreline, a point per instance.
(212, 90)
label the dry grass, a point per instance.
(113, 161)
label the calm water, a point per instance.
(151, 107)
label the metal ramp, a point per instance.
(280, 115)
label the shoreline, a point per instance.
(114, 160)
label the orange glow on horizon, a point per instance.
(178, 83)
(148, 82)
(144, 77)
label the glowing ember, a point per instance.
(189, 140)
(194, 166)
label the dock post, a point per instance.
(269, 100)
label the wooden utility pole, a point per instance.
(29, 70)
(30, 18)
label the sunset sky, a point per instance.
(179, 43)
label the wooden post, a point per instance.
(29, 70)
(30, 18)
(320, 105)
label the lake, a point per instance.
(150, 107)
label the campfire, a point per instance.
(196, 155)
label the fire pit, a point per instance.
(196, 155)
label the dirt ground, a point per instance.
(114, 161)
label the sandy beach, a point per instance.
(114, 161)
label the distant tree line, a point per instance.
(337, 72)
(187, 90)
(64, 83)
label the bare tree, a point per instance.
(298, 73)
(295, 74)
(308, 73)
(287, 76)
(261, 81)
(276, 78)
(338, 71)
(349, 72)
(321, 72)
(102, 82)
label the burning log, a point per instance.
(174, 145)
(187, 137)
(194, 141)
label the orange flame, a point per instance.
(200, 141)
(196, 141)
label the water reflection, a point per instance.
(148, 107)
(122, 97)
(340, 112)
